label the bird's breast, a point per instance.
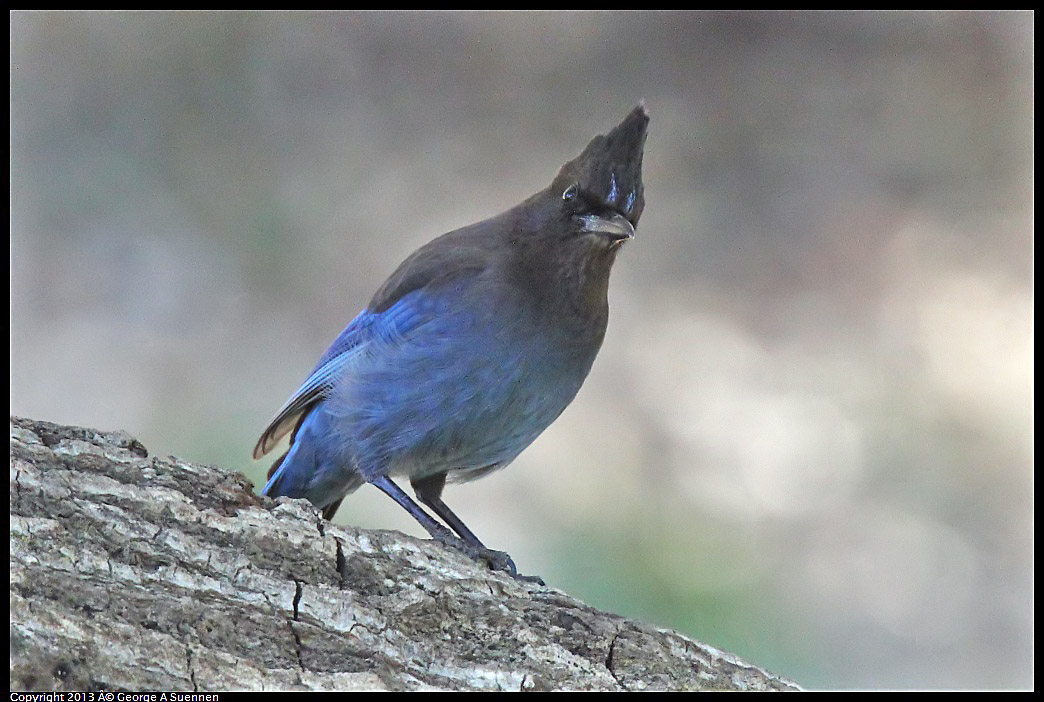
(469, 390)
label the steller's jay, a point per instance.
(473, 346)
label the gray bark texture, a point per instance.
(130, 572)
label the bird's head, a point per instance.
(601, 189)
(563, 240)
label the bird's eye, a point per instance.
(570, 192)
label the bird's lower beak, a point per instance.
(616, 227)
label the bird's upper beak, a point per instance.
(616, 227)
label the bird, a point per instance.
(472, 347)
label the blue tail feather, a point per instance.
(310, 469)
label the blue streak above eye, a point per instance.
(629, 203)
(612, 189)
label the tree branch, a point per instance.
(140, 573)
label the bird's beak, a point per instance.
(616, 227)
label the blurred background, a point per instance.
(808, 437)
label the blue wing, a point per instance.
(388, 326)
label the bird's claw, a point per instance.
(495, 560)
(499, 560)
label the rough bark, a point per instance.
(140, 573)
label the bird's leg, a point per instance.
(331, 509)
(429, 491)
(438, 531)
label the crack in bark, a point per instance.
(341, 563)
(609, 660)
(299, 588)
(297, 644)
(191, 669)
(290, 624)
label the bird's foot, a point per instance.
(495, 560)
(499, 560)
